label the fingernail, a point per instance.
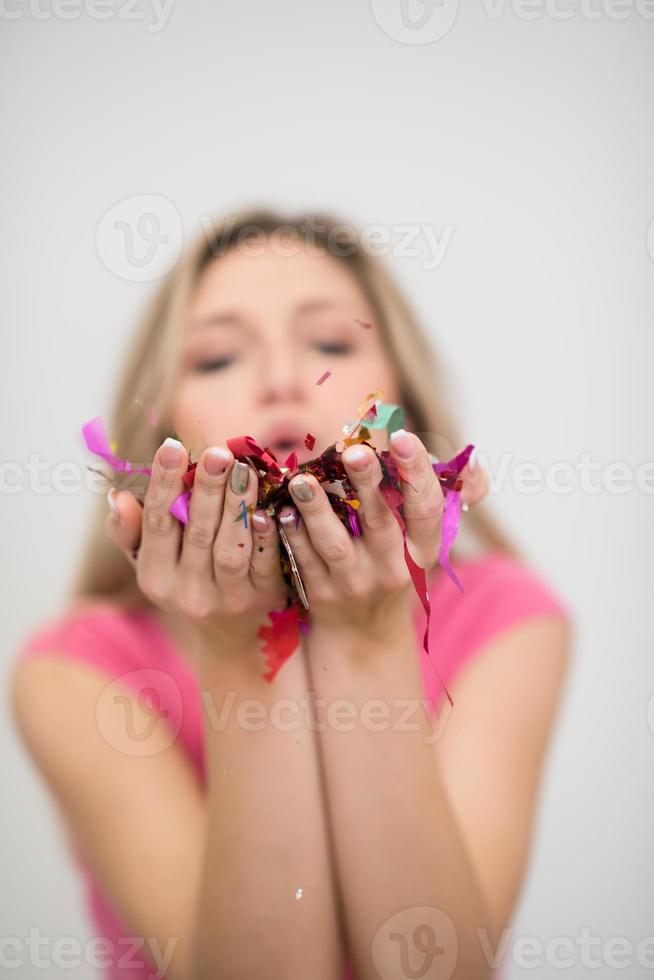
(287, 518)
(403, 444)
(216, 460)
(170, 453)
(472, 460)
(238, 478)
(113, 506)
(356, 457)
(301, 489)
(260, 520)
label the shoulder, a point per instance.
(102, 633)
(61, 650)
(73, 671)
(500, 593)
(499, 588)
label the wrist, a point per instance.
(368, 623)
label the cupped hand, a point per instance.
(364, 583)
(219, 573)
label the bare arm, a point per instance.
(198, 873)
(206, 880)
(267, 901)
(432, 833)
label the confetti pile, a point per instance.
(281, 637)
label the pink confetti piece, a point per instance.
(366, 326)
(179, 507)
(97, 442)
(323, 377)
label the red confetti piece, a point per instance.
(309, 441)
(366, 326)
(280, 639)
(189, 476)
(291, 462)
(323, 377)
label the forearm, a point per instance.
(267, 905)
(397, 844)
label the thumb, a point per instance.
(124, 521)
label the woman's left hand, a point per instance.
(363, 584)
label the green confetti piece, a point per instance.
(389, 417)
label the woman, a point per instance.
(334, 818)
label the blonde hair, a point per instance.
(150, 371)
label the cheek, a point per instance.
(344, 393)
(206, 413)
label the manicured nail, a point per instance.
(113, 506)
(356, 457)
(287, 518)
(472, 460)
(260, 520)
(301, 489)
(216, 460)
(238, 478)
(403, 444)
(170, 453)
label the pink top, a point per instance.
(499, 591)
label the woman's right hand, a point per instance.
(219, 574)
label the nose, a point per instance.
(280, 375)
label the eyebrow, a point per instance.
(231, 318)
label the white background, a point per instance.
(532, 141)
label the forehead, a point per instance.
(276, 279)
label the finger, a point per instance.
(328, 536)
(233, 545)
(476, 484)
(124, 522)
(313, 569)
(162, 533)
(265, 566)
(422, 497)
(381, 530)
(204, 515)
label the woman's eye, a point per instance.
(334, 348)
(214, 365)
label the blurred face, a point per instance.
(261, 331)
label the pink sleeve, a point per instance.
(499, 592)
(121, 645)
(101, 637)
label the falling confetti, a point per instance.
(323, 377)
